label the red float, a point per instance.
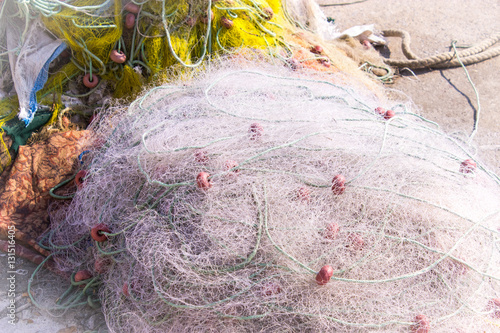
(268, 13)
(97, 232)
(316, 49)
(129, 21)
(118, 56)
(338, 184)
(82, 275)
(226, 23)
(202, 181)
(325, 62)
(389, 114)
(468, 166)
(80, 178)
(422, 324)
(132, 8)
(324, 275)
(255, 131)
(90, 83)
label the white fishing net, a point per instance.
(218, 196)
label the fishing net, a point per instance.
(262, 199)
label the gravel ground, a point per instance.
(444, 96)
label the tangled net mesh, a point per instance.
(410, 233)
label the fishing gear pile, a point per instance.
(257, 198)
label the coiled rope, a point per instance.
(477, 53)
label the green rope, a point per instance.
(58, 186)
(205, 39)
(74, 302)
(266, 217)
(108, 253)
(160, 293)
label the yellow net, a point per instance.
(160, 34)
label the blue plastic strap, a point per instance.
(39, 83)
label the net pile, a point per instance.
(216, 202)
